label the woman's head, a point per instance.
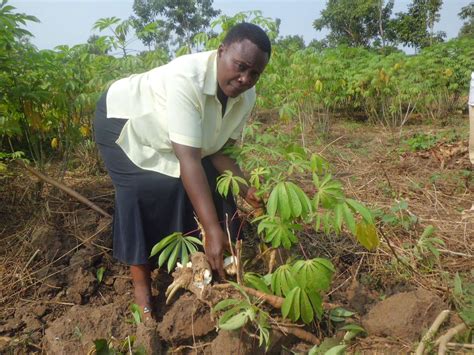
(241, 58)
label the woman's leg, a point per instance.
(141, 277)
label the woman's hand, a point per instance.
(214, 246)
(252, 198)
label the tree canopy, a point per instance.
(355, 22)
(175, 21)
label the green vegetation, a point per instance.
(47, 100)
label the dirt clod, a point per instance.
(147, 337)
(186, 318)
(81, 283)
(405, 315)
(75, 331)
(233, 342)
(84, 258)
(122, 286)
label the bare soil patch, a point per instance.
(51, 248)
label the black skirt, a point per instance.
(148, 205)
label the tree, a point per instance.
(415, 28)
(467, 14)
(355, 22)
(174, 21)
(98, 45)
(291, 43)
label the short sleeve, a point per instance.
(183, 112)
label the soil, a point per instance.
(51, 248)
(404, 315)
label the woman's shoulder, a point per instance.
(192, 63)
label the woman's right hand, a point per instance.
(215, 244)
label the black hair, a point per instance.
(251, 32)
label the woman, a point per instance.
(161, 133)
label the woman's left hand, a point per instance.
(252, 198)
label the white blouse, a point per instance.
(176, 102)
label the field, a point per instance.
(359, 152)
(52, 248)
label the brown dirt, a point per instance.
(186, 319)
(51, 248)
(403, 316)
(75, 331)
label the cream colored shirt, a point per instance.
(176, 102)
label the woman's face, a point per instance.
(239, 66)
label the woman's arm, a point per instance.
(196, 186)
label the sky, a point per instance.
(70, 21)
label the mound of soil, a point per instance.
(187, 318)
(75, 331)
(405, 315)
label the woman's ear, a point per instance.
(220, 50)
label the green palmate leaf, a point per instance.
(166, 253)
(318, 164)
(232, 312)
(288, 201)
(329, 192)
(348, 218)
(307, 313)
(336, 350)
(353, 328)
(296, 312)
(225, 304)
(284, 207)
(278, 232)
(229, 180)
(316, 302)
(304, 201)
(313, 275)
(164, 242)
(287, 305)
(235, 322)
(295, 203)
(184, 254)
(256, 281)
(366, 235)
(173, 257)
(174, 247)
(337, 222)
(272, 203)
(361, 209)
(340, 314)
(283, 280)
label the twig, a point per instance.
(328, 145)
(238, 263)
(443, 340)
(49, 302)
(31, 259)
(395, 253)
(68, 190)
(432, 331)
(198, 346)
(459, 345)
(129, 345)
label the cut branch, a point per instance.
(68, 190)
(432, 331)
